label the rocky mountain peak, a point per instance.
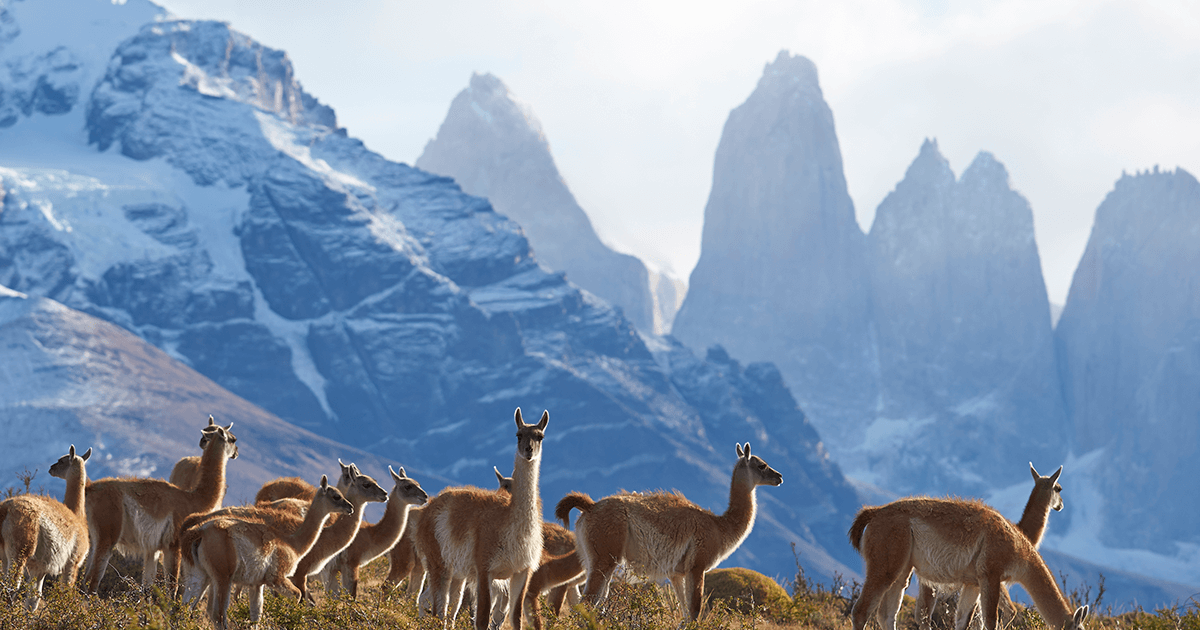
(790, 74)
(209, 59)
(494, 147)
(487, 86)
(781, 274)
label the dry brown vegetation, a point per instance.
(739, 600)
(632, 605)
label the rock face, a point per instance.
(1129, 354)
(782, 273)
(923, 352)
(494, 147)
(968, 383)
(218, 212)
(71, 378)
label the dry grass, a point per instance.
(632, 605)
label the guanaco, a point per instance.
(42, 536)
(468, 534)
(663, 535)
(145, 516)
(257, 553)
(950, 541)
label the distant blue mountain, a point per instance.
(195, 195)
(494, 147)
(1129, 355)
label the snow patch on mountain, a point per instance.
(1085, 538)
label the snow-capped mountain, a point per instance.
(68, 377)
(968, 383)
(782, 274)
(196, 196)
(494, 147)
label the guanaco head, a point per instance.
(348, 472)
(221, 434)
(757, 470)
(332, 497)
(1048, 487)
(1077, 619)
(410, 491)
(529, 436)
(66, 463)
(506, 483)
(362, 488)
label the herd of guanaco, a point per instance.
(493, 541)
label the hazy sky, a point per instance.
(633, 95)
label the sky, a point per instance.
(633, 94)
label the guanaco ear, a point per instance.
(499, 477)
(71, 451)
(394, 475)
(519, 419)
(211, 421)
(544, 421)
(747, 450)
(1080, 615)
(230, 427)
(1033, 471)
(738, 446)
(87, 453)
(1054, 477)
(324, 482)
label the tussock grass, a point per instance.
(632, 605)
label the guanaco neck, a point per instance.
(305, 536)
(345, 529)
(210, 489)
(526, 504)
(1033, 519)
(738, 519)
(76, 490)
(1039, 583)
(395, 517)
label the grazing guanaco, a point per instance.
(1046, 496)
(257, 553)
(145, 516)
(468, 534)
(42, 536)
(374, 540)
(950, 541)
(663, 535)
